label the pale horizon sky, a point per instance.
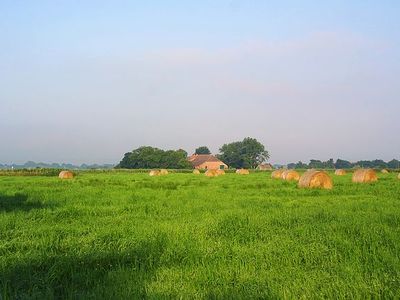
(87, 81)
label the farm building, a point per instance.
(264, 167)
(206, 161)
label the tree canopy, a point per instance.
(150, 158)
(202, 150)
(248, 153)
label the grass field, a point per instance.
(121, 235)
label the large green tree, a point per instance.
(148, 158)
(202, 150)
(248, 153)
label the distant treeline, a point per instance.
(344, 164)
(34, 165)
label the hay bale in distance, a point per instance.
(384, 171)
(364, 175)
(164, 172)
(211, 173)
(66, 175)
(290, 175)
(277, 174)
(196, 172)
(154, 173)
(220, 172)
(242, 172)
(315, 179)
(340, 172)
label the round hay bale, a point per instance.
(196, 172)
(384, 171)
(340, 172)
(290, 175)
(315, 179)
(398, 176)
(66, 175)
(364, 175)
(211, 173)
(242, 172)
(155, 173)
(277, 174)
(163, 172)
(220, 172)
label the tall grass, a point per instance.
(127, 235)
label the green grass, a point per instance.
(121, 235)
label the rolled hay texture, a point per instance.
(163, 172)
(211, 173)
(277, 174)
(315, 179)
(220, 172)
(340, 172)
(384, 171)
(364, 175)
(242, 172)
(290, 175)
(155, 173)
(196, 172)
(66, 175)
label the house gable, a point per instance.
(206, 161)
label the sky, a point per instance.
(87, 81)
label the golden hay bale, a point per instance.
(364, 175)
(211, 173)
(155, 173)
(220, 172)
(196, 172)
(340, 172)
(290, 175)
(315, 179)
(163, 172)
(384, 171)
(66, 175)
(242, 172)
(277, 174)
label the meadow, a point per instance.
(125, 235)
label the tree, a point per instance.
(329, 164)
(316, 164)
(394, 164)
(248, 153)
(379, 163)
(343, 164)
(149, 158)
(301, 165)
(202, 150)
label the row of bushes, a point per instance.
(30, 172)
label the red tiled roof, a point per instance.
(198, 159)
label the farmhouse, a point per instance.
(206, 161)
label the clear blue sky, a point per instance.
(87, 81)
